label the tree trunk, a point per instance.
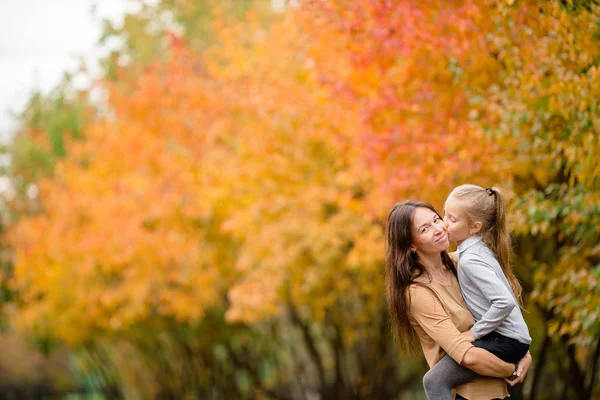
(537, 377)
(577, 378)
(310, 344)
(338, 351)
(594, 370)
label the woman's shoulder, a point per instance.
(419, 285)
(425, 294)
(420, 281)
(420, 288)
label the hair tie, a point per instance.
(490, 191)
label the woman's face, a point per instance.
(429, 232)
(456, 220)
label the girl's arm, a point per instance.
(499, 300)
(429, 312)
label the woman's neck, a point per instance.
(432, 262)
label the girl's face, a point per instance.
(456, 220)
(429, 232)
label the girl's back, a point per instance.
(487, 292)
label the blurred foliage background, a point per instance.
(206, 220)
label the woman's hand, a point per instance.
(522, 369)
(469, 336)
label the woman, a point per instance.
(426, 304)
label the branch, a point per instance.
(540, 366)
(338, 351)
(590, 386)
(310, 343)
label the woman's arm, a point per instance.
(485, 363)
(431, 315)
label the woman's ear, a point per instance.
(475, 227)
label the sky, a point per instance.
(41, 39)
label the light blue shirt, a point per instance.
(488, 293)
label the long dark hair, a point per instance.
(402, 267)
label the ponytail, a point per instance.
(497, 237)
(489, 206)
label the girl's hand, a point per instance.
(469, 336)
(522, 369)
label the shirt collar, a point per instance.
(468, 243)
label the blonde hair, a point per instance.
(488, 206)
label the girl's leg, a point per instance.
(505, 348)
(445, 375)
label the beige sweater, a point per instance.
(439, 331)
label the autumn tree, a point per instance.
(223, 220)
(544, 111)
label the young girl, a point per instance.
(476, 220)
